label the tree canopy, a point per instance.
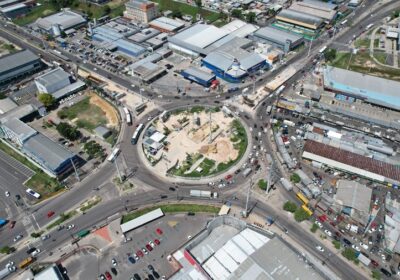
(47, 99)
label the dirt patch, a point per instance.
(109, 110)
(219, 150)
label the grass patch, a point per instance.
(336, 244)
(187, 9)
(196, 109)
(171, 208)
(91, 203)
(89, 115)
(45, 9)
(362, 43)
(40, 182)
(63, 217)
(376, 43)
(363, 63)
(381, 57)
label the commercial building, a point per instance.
(141, 10)
(147, 69)
(58, 83)
(392, 224)
(364, 87)
(7, 3)
(18, 65)
(15, 11)
(230, 249)
(324, 10)
(62, 21)
(350, 162)
(165, 24)
(239, 28)
(280, 39)
(353, 199)
(50, 273)
(6, 105)
(300, 19)
(199, 76)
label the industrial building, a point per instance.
(324, 10)
(280, 39)
(7, 104)
(115, 34)
(18, 65)
(353, 199)
(7, 3)
(63, 21)
(229, 248)
(141, 10)
(52, 272)
(239, 28)
(58, 83)
(165, 24)
(392, 224)
(16, 10)
(147, 69)
(341, 159)
(199, 76)
(364, 87)
(300, 19)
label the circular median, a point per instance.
(194, 142)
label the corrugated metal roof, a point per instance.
(144, 219)
(20, 128)
(214, 267)
(6, 105)
(167, 23)
(300, 17)
(66, 19)
(243, 244)
(234, 251)
(15, 60)
(276, 35)
(374, 89)
(13, 8)
(49, 153)
(223, 257)
(53, 77)
(196, 72)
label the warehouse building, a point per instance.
(14, 11)
(58, 83)
(7, 3)
(300, 19)
(239, 28)
(324, 10)
(141, 10)
(350, 162)
(63, 21)
(200, 76)
(229, 248)
(364, 87)
(165, 24)
(18, 65)
(280, 39)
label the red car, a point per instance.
(12, 224)
(108, 275)
(139, 253)
(159, 231)
(374, 263)
(228, 177)
(50, 214)
(148, 247)
(157, 242)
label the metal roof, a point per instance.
(276, 35)
(66, 19)
(53, 77)
(142, 220)
(198, 73)
(167, 23)
(6, 105)
(18, 113)
(311, 10)
(47, 152)
(19, 128)
(15, 60)
(138, 4)
(353, 194)
(13, 8)
(319, 4)
(50, 273)
(8, 2)
(299, 17)
(373, 89)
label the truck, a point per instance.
(5, 272)
(286, 184)
(289, 123)
(3, 222)
(83, 233)
(269, 109)
(246, 172)
(207, 194)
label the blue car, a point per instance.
(131, 259)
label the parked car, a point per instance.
(18, 237)
(108, 275)
(148, 247)
(145, 251)
(150, 267)
(157, 241)
(114, 270)
(50, 214)
(114, 262)
(319, 248)
(140, 253)
(159, 231)
(11, 224)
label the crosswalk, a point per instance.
(6, 159)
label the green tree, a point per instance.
(106, 10)
(336, 244)
(290, 206)
(199, 4)
(313, 228)
(93, 149)
(295, 178)
(330, 54)
(300, 215)
(176, 14)
(262, 184)
(68, 131)
(376, 275)
(7, 250)
(36, 234)
(47, 99)
(237, 13)
(349, 254)
(251, 17)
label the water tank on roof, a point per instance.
(55, 29)
(235, 66)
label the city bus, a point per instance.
(323, 49)
(305, 208)
(369, 26)
(128, 116)
(113, 155)
(83, 233)
(302, 198)
(26, 262)
(136, 134)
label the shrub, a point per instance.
(290, 206)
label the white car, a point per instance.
(35, 253)
(135, 257)
(45, 237)
(18, 237)
(71, 226)
(356, 248)
(114, 262)
(152, 244)
(7, 193)
(365, 246)
(319, 248)
(318, 224)
(328, 232)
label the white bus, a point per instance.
(113, 155)
(344, 22)
(369, 26)
(128, 116)
(136, 134)
(322, 50)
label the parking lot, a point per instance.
(169, 232)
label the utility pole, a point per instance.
(271, 169)
(119, 173)
(309, 50)
(245, 213)
(210, 140)
(76, 171)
